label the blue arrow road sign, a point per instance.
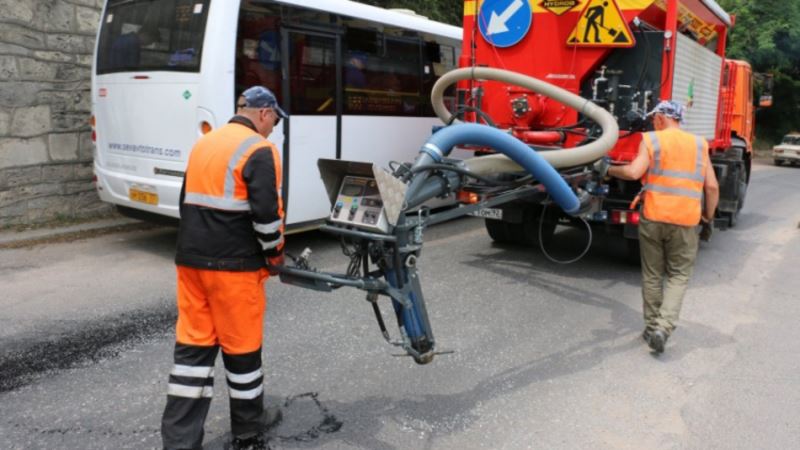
(503, 23)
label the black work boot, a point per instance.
(256, 442)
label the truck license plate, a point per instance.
(489, 213)
(142, 196)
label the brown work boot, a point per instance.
(657, 341)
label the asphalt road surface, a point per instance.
(545, 356)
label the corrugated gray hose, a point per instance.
(577, 156)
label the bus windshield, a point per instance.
(152, 35)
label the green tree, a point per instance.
(767, 34)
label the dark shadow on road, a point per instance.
(161, 242)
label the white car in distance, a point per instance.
(788, 151)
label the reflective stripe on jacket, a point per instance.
(231, 208)
(673, 186)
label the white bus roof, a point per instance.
(380, 15)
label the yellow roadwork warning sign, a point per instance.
(601, 24)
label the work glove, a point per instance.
(601, 166)
(273, 263)
(706, 230)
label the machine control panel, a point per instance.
(359, 204)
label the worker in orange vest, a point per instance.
(680, 190)
(229, 242)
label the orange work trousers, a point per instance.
(221, 308)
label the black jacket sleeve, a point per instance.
(261, 174)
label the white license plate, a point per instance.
(489, 213)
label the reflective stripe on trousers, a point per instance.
(189, 394)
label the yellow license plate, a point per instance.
(137, 195)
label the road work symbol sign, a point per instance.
(559, 7)
(601, 25)
(504, 23)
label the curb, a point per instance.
(19, 239)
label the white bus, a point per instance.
(355, 80)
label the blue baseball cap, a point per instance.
(673, 110)
(261, 97)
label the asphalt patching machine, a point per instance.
(379, 215)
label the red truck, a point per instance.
(626, 56)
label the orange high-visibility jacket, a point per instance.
(231, 207)
(673, 185)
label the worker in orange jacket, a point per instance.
(680, 191)
(230, 237)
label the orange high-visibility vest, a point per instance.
(673, 185)
(214, 174)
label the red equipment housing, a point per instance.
(648, 50)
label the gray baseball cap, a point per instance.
(673, 110)
(261, 97)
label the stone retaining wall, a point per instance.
(45, 138)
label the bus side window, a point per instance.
(312, 74)
(258, 50)
(381, 72)
(439, 59)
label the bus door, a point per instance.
(311, 92)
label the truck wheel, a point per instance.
(734, 153)
(517, 233)
(498, 230)
(733, 219)
(527, 232)
(742, 190)
(533, 215)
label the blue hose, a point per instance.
(443, 141)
